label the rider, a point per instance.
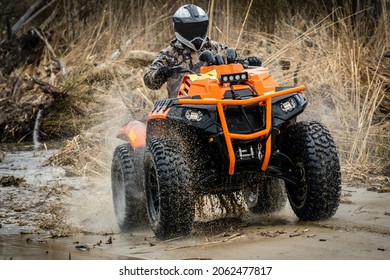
(191, 25)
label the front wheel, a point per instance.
(168, 190)
(127, 191)
(316, 194)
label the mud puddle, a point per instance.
(46, 215)
(30, 193)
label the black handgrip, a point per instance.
(231, 55)
(208, 57)
(219, 59)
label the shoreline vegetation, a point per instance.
(78, 65)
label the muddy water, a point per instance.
(47, 215)
(28, 190)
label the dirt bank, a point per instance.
(46, 215)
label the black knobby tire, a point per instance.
(267, 197)
(168, 191)
(127, 188)
(313, 152)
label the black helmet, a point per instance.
(191, 25)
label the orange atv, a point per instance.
(231, 128)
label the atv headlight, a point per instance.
(288, 105)
(193, 115)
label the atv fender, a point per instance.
(134, 132)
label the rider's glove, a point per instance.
(254, 61)
(164, 72)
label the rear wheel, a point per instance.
(316, 194)
(267, 197)
(168, 190)
(127, 191)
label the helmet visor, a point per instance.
(190, 31)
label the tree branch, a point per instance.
(60, 63)
(20, 22)
(27, 17)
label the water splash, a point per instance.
(38, 120)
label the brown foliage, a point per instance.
(336, 50)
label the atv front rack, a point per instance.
(263, 101)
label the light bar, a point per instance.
(234, 78)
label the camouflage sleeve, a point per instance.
(218, 47)
(165, 58)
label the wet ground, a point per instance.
(47, 215)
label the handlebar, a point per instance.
(231, 57)
(210, 59)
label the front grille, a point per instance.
(244, 119)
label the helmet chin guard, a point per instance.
(196, 44)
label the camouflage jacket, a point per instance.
(178, 54)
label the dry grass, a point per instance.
(346, 77)
(82, 156)
(347, 81)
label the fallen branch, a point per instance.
(46, 87)
(20, 23)
(230, 238)
(60, 63)
(171, 240)
(359, 210)
(27, 17)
